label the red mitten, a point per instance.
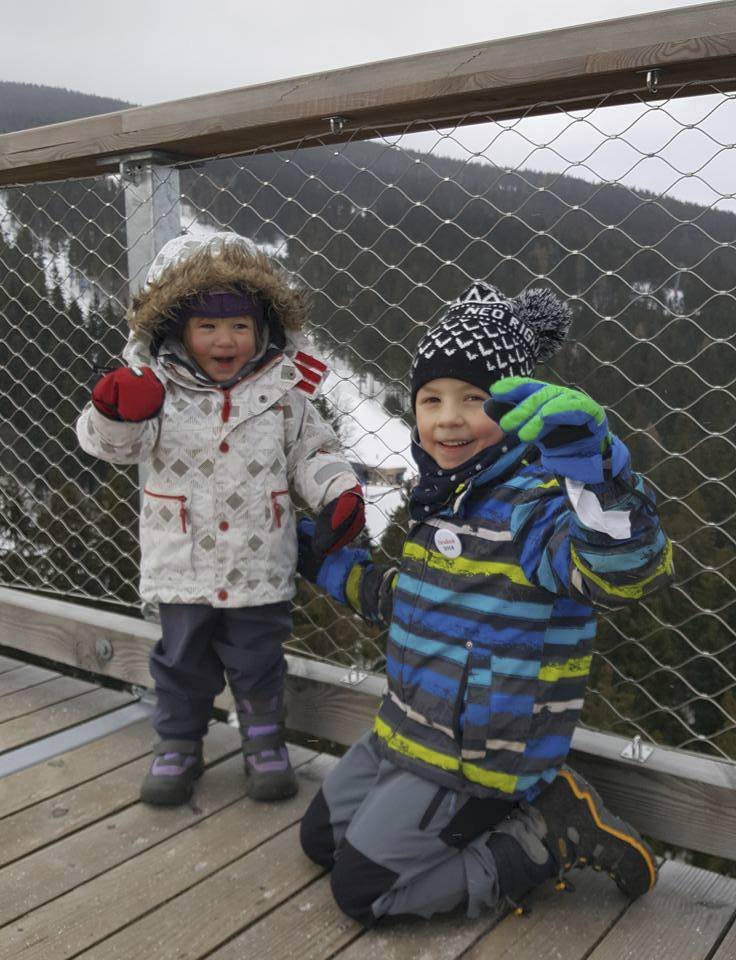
(129, 394)
(339, 522)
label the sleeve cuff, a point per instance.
(614, 523)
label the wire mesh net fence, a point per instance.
(627, 212)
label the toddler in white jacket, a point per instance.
(215, 402)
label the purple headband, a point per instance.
(222, 305)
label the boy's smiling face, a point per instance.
(451, 423)
(221, 346)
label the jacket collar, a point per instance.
(442, 491)
(273, 378)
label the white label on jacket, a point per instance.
(448, 543)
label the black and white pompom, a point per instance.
(548, 316)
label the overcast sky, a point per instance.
(148, 51)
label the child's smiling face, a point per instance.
(221, 346)
(451, 423)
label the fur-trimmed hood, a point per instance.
(189, 265)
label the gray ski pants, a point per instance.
(399, 844)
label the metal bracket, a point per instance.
(128, 162)
(653, 78)
(354, 676)
(133, 166)
(337, 124)
(637, 750)
(143, 693)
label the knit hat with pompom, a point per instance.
(483, 337)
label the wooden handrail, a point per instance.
(501, 78)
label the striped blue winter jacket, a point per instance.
(492, 625)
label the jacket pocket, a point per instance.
(166, 534)
(176, 498)
(278, 500)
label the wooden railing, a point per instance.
(503, 78)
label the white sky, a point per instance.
(146, 51)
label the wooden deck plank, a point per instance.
(41, 695)
(57, 869)
(8, 663)
(235, 896)
(681, 919)
(310, 919)
(559, 925)
(87, 914)
(444, 937)
(727, 949)
(23, 676)
(66, 813)
(96, 875)
(38, 783)
(61, 716)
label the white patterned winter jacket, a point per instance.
(217, 522)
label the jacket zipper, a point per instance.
(226, 406)
(459, 703)
(278, 510)
(422, 574)
(172, 496)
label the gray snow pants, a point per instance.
(399, 844)
(199, 646)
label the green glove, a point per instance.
(570, 428)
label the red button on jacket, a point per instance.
(222, 595)
(224, 525)
(224, 446)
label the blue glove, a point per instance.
(328, 571)
(570, 428)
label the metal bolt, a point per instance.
(104, 649)
(637, 750)
(143, 693)
(354, 676)
(653, 77)
(337, 124)
(132, 172)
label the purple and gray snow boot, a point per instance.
(268, 771)
(170, 779)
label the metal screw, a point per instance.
(337, 124)
(132, 172)
(653, 77)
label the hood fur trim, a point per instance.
(223, 262)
